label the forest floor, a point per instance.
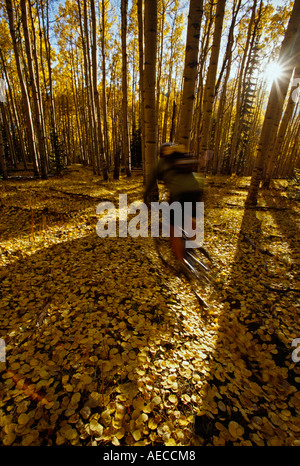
(105, 346)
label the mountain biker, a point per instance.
(176, 169)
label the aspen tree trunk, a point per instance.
(288, 142)
(289, 136)
(226, 65)
(241, 75)
(25, 96)
(38, 84)
(173, 122)
(15, 113)
(203, 56)
(53, 133)
(274, 152)
(91, 133)
(104, 99)
(209, 92)
(114, 118)
(35, 96)
(90, 76)
(150, 22)
(97, 117)
(167, 105)
(276, 101)
(125, 125)
(141, 77)
(75, 97)
(7, 130)
(159, 68)
(86, 116)
(190, 72)
(3, 169)
(37, 75)
(294, 155)
(228, 52)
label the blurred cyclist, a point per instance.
(176, 169)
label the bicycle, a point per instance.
(196, 266)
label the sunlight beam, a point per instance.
(273, 72)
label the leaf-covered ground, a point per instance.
(105, 346)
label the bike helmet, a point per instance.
(167, 149)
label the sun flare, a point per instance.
(273, 72)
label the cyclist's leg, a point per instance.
(176, 239)
(177, 244)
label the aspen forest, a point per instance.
(103, 343)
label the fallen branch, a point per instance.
(281, 290)
(80, 196)
(263, 251)
(256, 207)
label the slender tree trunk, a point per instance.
(97, 117)
(75, 97)
(4, 111)
(104, 98)
(38, 85)
(190, 72)
(241, 79)
(226, 66)
(3, 169)
(14, 112)
(125, 126)
(35, 97)
(274, 153)
(149, 87)
(170, 73)
(276, 101)
(141, 78)
(92, 135)
(25, 96)
(209, 92)
(203, 56)
(159, 68)
(173, 122)
(53, 132)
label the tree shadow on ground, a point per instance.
(251, 378)
(80, 320)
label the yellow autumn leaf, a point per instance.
(170, 442)
(186, 398)
(28, 439)
(95, 427)
(235, 429)
(152, 423)
(183, 421)
(156, 400)
(70, 433)
(75, 398)
(173, 399)
(136, 435)
(23, 419)
(65, 379)
(86, 379)
(9, 438)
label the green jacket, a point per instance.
(176, 182)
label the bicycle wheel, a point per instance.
(201, 275)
